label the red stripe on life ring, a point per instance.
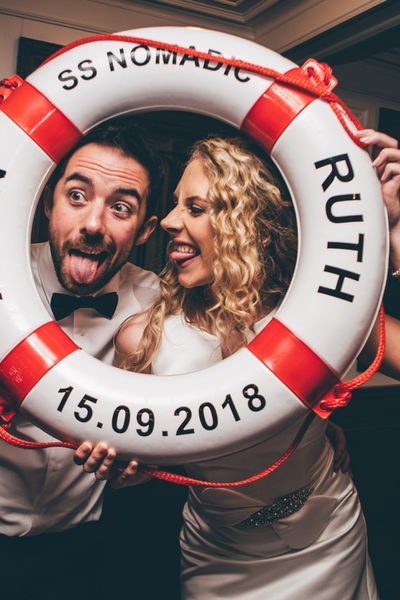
(295, 364)
(275, 110)
(41, 120)
(32, 358)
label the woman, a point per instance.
(299, 532)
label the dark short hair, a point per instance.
(126, 135)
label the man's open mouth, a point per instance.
(85, 264)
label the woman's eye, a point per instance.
(196, 210)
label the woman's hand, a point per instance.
(121, 477)
(387, 165)
(341, 456)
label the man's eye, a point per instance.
(122, 209)
(76, 196)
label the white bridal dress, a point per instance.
(297, 534)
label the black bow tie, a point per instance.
(63, 305)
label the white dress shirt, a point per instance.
(42, 490)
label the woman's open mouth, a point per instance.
(183, 254)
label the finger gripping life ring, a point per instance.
(318, 330)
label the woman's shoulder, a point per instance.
(130, 333)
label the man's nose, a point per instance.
(173, 220)
(94, 221)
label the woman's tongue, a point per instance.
(83, 268)
(181, 256)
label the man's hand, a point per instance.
(100, 460)
(97, 459)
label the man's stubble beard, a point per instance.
(82, 289)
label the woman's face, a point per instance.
(189, 226)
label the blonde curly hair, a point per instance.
(254, 248)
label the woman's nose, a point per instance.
(173, 220)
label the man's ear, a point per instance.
(47, 201)
(146, 230)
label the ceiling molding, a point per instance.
(291, 23)
(333, 46)
(277, 24)
(93, 16)
(236, 11)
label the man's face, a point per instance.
(96, 216)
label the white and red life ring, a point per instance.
(328, 310)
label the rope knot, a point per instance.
(320, 74)
(342, 397)
(9, 85)
(7, 410)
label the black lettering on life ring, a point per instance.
(141, 60)
(86, 67)
(121, 60)
(356, 247)
(211, 65)
(337, 292)
(334, 161)
(87, 71)
(2, 173)
(165, 55)
(345, 218)
(187, 57)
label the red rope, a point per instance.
(8, 85)
(182, 480)
(319, 89)
(343, 389)
(165, 475)
(20, 443)
(342, 393)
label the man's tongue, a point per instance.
(83, 268)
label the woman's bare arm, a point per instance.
(387, 165)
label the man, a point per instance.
(99, 203)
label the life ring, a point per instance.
(319, 328)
